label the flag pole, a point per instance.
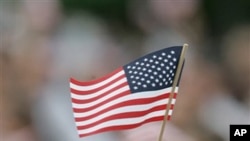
(176, 78)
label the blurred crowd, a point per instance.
(42, 46)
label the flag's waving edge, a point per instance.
(128, 97)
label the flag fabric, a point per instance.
(132, 95)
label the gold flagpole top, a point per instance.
(185, 45)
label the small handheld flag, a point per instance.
(130, 96)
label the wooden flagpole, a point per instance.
(177, 75)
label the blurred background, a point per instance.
(45, 42)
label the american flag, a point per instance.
(132, 95)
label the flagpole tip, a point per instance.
(185, 45)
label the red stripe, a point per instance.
(169, 117)
(123, 115)
(123, 127)
(81, 83)
(87, 118)
(172, 107)
(105, 101)
(141, 101)
(82, 92)
(82, 101)
(109, 91)
(127, 113)
(175, 95)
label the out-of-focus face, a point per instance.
(173, 10)
(239, 61)
(42, 15)
(237, 58)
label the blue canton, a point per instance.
(154, 71)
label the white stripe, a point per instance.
(92, 95)
(170, 112)
(176, 89)
(139, 95)
(112, 94)
(121, 122)
(134, 108)
(173, 101)
(94, 86)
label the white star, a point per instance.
(140, 73)
(163, 53)
(174, 59)
(164, 79)
(162, 64)
(145, 86)
(158, 68)
(137, 77)
(139, 83)
(147, 65)
(156, 62)
(154, 56)
(160, 76)
(149, 70)
(171, 71)
(172, 74)
(133, 82)
(128, 67)
(153, 84)
(130, 71)
(166, 83)
(156, 80)
(153, 66)
(142, 64)
(174, 67)
(165, 60)
(146, 75)
(169, 56)
(160, 58)
(167, 75)
(139, 68)
(145, 59)
(135, 87)
(155, 73)
(160, 84)
(136, 63)
(135, 72)
(167, 67)
(133, 67)
(150, 60)
(164, 72)
(132, 76)
(171, 81)
(151, 77)
(142, 79)
(172, 52)
(171, 63)
(144, 69)
(148, 81)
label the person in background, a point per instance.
(27, 56)
(229, 103)
(170, 23)
(85, 51)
